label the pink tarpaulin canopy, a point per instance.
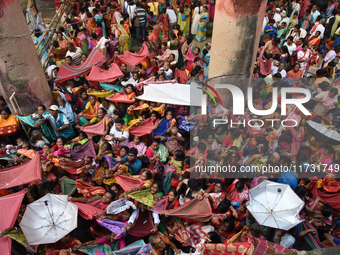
(98, 74)
(67, 72)
(133, 59)
(9, 209)
(18, 175)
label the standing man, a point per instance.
(141, 14)
(172, 18)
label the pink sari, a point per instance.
(265, 65)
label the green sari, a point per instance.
(145, 196)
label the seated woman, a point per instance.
(89, 112)
(105, 149)
(171, 202)
(9, 124)
(146, 177)
(148, 197)
(104, 172)
(164, 126)
(36, 139)
(139, 145)
(157, 151)
(216, 193)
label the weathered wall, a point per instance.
(20, 68)
(236, 35)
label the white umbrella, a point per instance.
(275, 205)
(49, 219)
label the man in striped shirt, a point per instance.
(142, 16)
(75, 53)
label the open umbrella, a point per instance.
(49, 219)
(321, 133)
(275, 205)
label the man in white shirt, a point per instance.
(285, 19)
(141, 211)
(280, 70)
(108, 107)
(315, 11)
(296, 8)
(75, 53)
(117, 134)
(290, 45)
(172, 18)
(277, 16)
(166, 71)
(130, 8)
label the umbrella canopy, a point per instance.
(275, 205)
(321, 133)
(49, 219)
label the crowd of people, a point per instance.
(143, 155)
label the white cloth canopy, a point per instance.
(49, 219)
(275, 205)
(176, 94)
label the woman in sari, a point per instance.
(201, 34)
(181, 19)
(216, 193)
(104, 172)
(84, 41)
(164, 126)
(92, 207)
(89, 112)
(124, 36)
(113, 45)
(187, 12)
(91, 26)
(9, 124)
(314, 40)
(212, 10)
(157, 151)
(149, 197)
(164, 23)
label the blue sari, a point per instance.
(201, 34)
(162, 128)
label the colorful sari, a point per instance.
(90, 113)
(91, 26)
(116, 227)
(201, 34)
(124, 37)
(145, 196)
(162, 150)
(18, 236)
(9, 126)
(49, 134)
(113, 45)
(143, 225)
(101, 171)
(88, 190)
(164, 23)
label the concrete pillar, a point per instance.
(236, 34)
(20, 67)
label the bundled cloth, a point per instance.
(119, 206)
(86, 149)
(196, 209)
(96, 129)
(115, 227)
(128, 182)
(121, 98)
(143, 196)
(90, 210)
(133, 59)
(107, 87)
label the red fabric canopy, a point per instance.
(133, 59)
(9, 209)
(96, 129)
(122, 98)
(67, 72)
(18, 175)
(197, 210)
(98, 74)
(144, 129)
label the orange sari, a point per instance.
(9, 126)
(91, 26)
(91, 110)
